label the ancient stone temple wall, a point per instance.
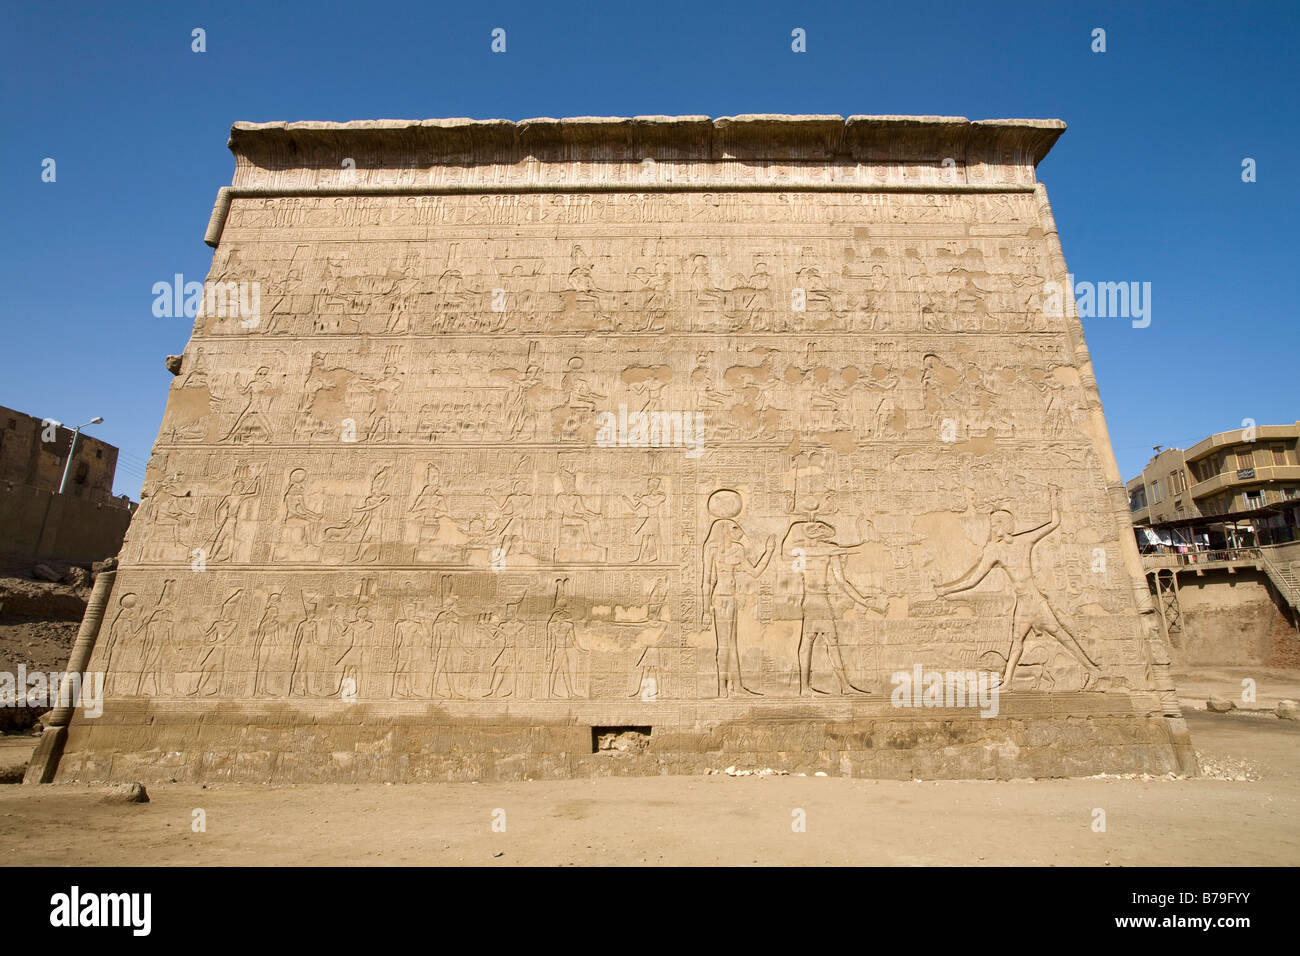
(654, 445)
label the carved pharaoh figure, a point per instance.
(429, 511)
(561, 638)
(410, 638)
(362, 528)
(446, 640)
(649, 534)
(573, 541)
(204, 677)
(253, 423)
(229, 513)
(1012, 551)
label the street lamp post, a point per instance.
(76, 433)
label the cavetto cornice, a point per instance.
(639, 154)
(756, 137)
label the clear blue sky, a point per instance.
(1146, 184)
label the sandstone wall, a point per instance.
(405, 507)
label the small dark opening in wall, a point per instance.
(609, 740)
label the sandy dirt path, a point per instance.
(698, 820)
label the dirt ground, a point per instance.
(1244, 814)
(38, 622)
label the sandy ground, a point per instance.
(699, 820)
(1195, 685)
(39, 645)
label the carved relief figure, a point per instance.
(519, 421)
(253, 423)
(172, 510)
(228, 514)
(410, 637)
(381, 397)
(429, 510)
(509, 524)
(578, 391)
(726, 556)
(446, 638)
(561, 636)
(204, 678)
(362, 528)
(505, 638)
(1012, 551)
(649, 533)
(158, 643)
(573, 539)
(122, 656)
(818, 562)
(273, 652)
(316, 674)
(300, 521)
(358, 632)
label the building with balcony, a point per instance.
(1218, 525)
(1231, 489)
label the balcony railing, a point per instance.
(1217, 482)
(1281, 562)
(1204, 556)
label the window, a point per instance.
(1255, 499)
(99, 453)
(1279, 454)
(1244, 459)
(1155, 492)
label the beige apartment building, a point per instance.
(1218, 525)
(1224, 491)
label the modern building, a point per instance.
(1218, 525)
(28, 458)
(1232, 489)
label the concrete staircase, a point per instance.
(1284, 573)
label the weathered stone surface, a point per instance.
(1220, 705)
(19, 715)
(498, 445)
(45, 572)
(126, 793)
(1288, 710)
(77, 577)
